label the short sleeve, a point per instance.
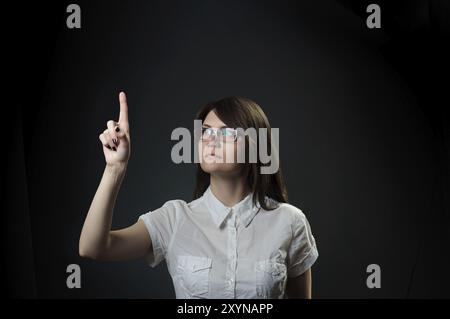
(303, 251)
(161, 224)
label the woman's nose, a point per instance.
(215, 143)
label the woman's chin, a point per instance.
(213, 167)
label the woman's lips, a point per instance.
(213, 156)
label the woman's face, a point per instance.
(218, 156)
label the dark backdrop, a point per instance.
(364, 136)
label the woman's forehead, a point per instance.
(213, 120)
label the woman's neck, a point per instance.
(229, 191)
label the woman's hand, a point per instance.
(116, 138)
(97, 240)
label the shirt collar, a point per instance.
(245, 210)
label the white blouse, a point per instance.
(213, 251)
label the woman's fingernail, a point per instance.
(117, 129)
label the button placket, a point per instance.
(232, 252)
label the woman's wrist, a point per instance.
(116, 169)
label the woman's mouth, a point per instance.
(213, 156)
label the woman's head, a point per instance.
(220, 144)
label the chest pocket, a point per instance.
(271, 277)
(193, 273)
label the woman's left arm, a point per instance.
(300, 286)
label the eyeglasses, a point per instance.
(225, 134)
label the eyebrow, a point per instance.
(207, 125)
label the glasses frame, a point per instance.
(215, 133)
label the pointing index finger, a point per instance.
(123, 117)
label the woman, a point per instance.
(238, 238)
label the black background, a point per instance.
(364, 134)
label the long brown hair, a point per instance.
(244, 113)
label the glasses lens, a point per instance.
(228, 134)
(207, 134)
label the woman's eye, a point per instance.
(207, 132)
